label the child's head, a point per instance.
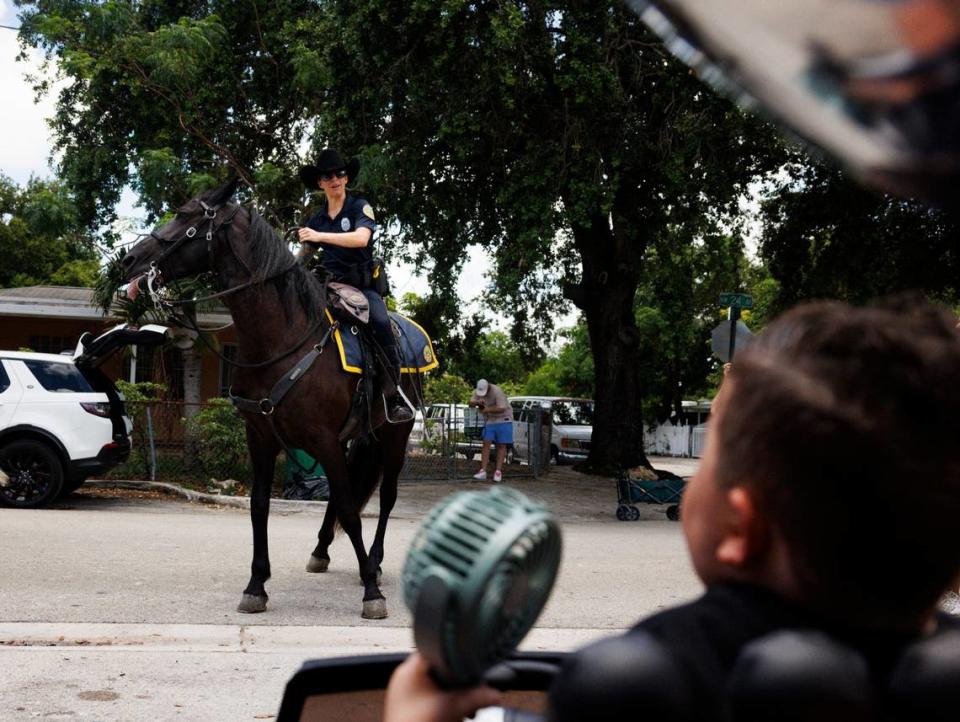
(832, 471)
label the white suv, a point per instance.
(61, 418)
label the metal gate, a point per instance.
(447, 443)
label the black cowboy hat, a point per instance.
(329, 161)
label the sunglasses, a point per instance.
(342, 173)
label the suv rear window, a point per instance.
(58, 377)
(4, 379)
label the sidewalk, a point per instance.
(570, 495)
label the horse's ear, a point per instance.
(224, 193)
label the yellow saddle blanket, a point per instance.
(416, 349)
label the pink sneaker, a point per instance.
(497, 477)
(480, 475)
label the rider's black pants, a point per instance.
(380, 323)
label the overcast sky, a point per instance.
(25, 147)
(24, 136)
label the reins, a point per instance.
(260, 364)
(210, 214)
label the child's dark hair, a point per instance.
(844, 422)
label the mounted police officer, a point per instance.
(344, 228)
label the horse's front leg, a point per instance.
(394, 441)
(263, 456)
(347, 506)
(319, 560)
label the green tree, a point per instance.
(556, 135)
(677, 308)
(41, 240)
(164, 95)
(575, 372)
(825, 236)
(569, 372)
(544, 381)
(494, 357)
(441, 388)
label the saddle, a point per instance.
(349, 302)
(351, 306)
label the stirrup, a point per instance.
(406, 401)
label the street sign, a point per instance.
(720, 339)
(736, 300)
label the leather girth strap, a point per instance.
(268, 404)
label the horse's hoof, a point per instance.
(317, 565)
(252, 604)
(375, 609)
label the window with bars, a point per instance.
(145, 364)
(52, 344)
(173, 358)
(162, 366)
(229, 352)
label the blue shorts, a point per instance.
(501, 433)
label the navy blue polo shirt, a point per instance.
(340, 261)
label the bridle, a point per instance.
(169, 247)
(171, 304)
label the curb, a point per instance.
(238, 502)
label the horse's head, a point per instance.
(182, 247)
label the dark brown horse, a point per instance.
(278, 307)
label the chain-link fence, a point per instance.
(178, 441)
(447, 443)
(205, 443)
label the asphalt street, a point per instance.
(120, 608)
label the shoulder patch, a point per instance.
(368, 211)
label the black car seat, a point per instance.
(787, 676)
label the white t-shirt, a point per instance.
(495, 397)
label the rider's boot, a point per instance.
(398, 412)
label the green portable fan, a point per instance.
(476, 577)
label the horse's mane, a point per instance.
(270, 257)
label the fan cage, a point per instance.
(499, 554)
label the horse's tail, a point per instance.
(365, 467)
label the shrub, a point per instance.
(218, 431)
(138, 396)
(447, 389)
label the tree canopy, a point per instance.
(41, 239)
(558, 136)
(164, 96)
(826, 236)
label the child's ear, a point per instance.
(745, 537)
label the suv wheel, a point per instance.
(35, 473)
